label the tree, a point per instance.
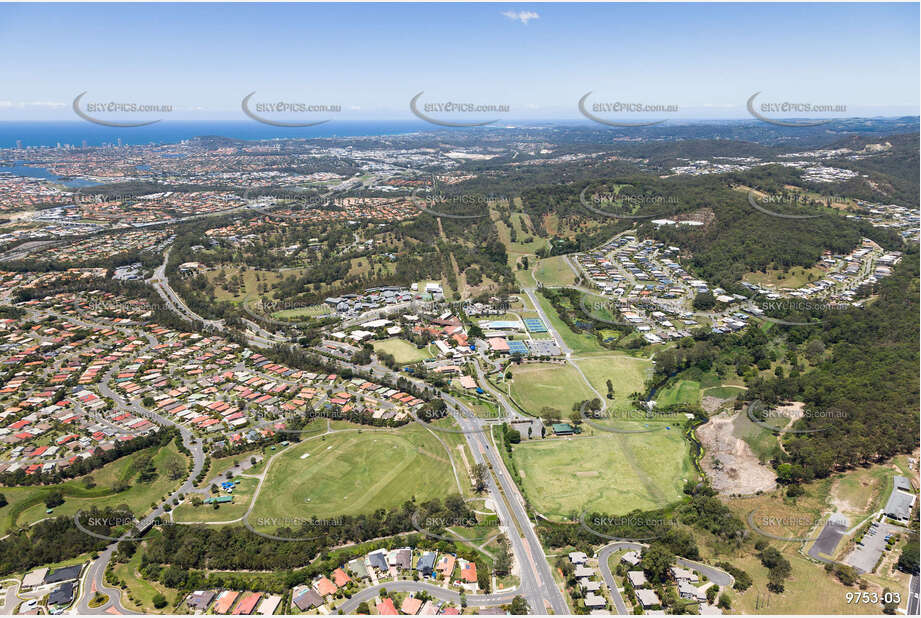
(725, 602)
(656, 562)
(54, 499)
(159, 601)
(519, 606)
(712, 591)
(3, 501)
(908, 559)
(363, 608)
(480, 472)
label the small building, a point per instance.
(563, 429)
(593, 601)
(358, 568)
(411, 606)
(200, 600)
(577, 557)
(631, 557)
(62, 595)
(647, 598)
(426, 564)
(684, 575)
(637, 578)
(386, 608)
(378, 559)
(307, 599)
(63, 574)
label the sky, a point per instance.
(537, 59)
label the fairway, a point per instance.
(402, 351)
(609, 472)
(26, 504)
(681, 391)
(353, 472)
(627, 375)
(557, 386)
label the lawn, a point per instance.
(795, 277)
(555, 271)
(404, 352)
(627, 375)
(581, 343)
(681, 391)
(608, 472)
(26, 504)
(352, 472)
(541, 384)
(141, 590)
(313, 311)
(242, 494)
(724, 392)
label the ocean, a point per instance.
(169, 132)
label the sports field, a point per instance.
(352, 472)
(403, 351)
(557, 386)
(627, 375)
(554, 272)
(608, 472)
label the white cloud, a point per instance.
(522, 16)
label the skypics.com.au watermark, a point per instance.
(782, 419)
(95, 109)
(115, 521)
(308, 529)
(766, 204)
(798, 306)
(455, 109)
(626, 528)
(464, 206)
(476, 531)
(770, 112)
(591, 111)
(257, 110)
(775, 526)
(625, 206)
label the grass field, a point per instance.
(609, 472)
(403, 351)
(141, 589)
(353, 472)
(627, 375)
(313, 311)
(579, 343)
(762, 442)
(555, 271)
(242, 494)
(724, 392)
(796, 277)
(27, 504)
(681, 391)
(557, 386)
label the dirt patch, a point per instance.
(711, 404)
(729, 462)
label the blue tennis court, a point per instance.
(534, 325)
(517, 347)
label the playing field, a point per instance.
(313, 311)
(557, 386)
(555, 271)
(403, 351)
(627, 375)
(608, 472)
(353, 472)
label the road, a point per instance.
(473, 600)
(913, 595)
(717, 576)
(604, 555)
(160, 282)
(94, 577)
